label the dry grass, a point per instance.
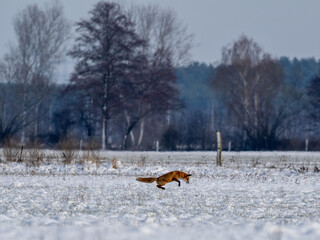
(115, 163)
(68, 151)
(92, 157)
(142, 161)
(12, 152)
(36, 154)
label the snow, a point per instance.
(253, 196)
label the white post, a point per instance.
(103, 134)
(80, 145)
(307, 145)
(157, 146)
(219, 149)
(229, 146)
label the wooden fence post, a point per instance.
(219, 149)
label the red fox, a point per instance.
(166, 178)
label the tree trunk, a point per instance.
(104, 111)
(128, 122)
(24, 115)
(133, 140)
(124, 141)
(103, 133)
(141, 133)
(50, 117)
(36, 112)
(125, 137)
(256, 107)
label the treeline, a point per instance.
(132, 89)
(281, 115)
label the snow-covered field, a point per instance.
(261, 195)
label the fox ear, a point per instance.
(189, 175)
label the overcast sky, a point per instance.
(282, 27)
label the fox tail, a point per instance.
(147, 180)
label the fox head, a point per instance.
(186, 178)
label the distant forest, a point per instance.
(206, 112)
(135, 87)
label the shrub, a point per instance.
(92, 157)
(12, 151)
(68, 150)
(36, 155)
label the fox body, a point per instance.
(166, 178)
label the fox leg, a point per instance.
(159, 186)
(176, 180)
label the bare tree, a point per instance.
(162, 29)
(250, 82)
(41, 34)
(155, 92)
(168, 45)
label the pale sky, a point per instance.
(282, 27)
